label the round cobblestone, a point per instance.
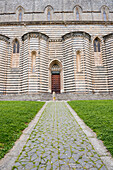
(58, 142)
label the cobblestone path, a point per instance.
(58, 142)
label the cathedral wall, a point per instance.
(33, 69)
(68, 63)
(56, 31)
(56, 17)
(24, 66)
(77, 74)
(44, 72)
(91, 78)
(3, 65)
(55, 50)
(35, 75)
(109, 58)
(60, 10)
(99, 70)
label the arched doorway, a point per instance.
(55, 77)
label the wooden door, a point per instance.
(55, 83)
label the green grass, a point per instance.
(98, 115)
(14, 118)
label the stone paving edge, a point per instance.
(97, 144)
(7, 162)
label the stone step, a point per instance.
(49, 96)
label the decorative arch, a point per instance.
(55, 76)
(58, 62)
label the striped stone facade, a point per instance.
(56, 37)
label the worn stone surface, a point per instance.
(58, 142)
(59, 97)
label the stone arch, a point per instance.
(48, 7)
(56, 68)
(105, 7)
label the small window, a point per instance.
(49, 16)
(105, 13)
(33, 57)
(77, 15)
(96, 45)
(16, 46)
(15, 54)
(20, 13)
(20, 16)
(104, 16)
(78, 61)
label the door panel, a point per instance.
(55, 83)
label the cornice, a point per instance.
(108, 36)
(4, 38)
(34, 35)
(25, 23)
(76, 34)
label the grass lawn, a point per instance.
(98, 115)
(14, 118)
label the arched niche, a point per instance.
(20, 13)
(97, 52)
(56, 76)
(15, 57)
(33, 62)
(105, 13)
(77, 13)
(49, 12)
